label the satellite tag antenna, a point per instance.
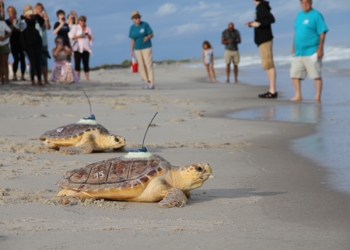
(92, 116)
(144, 149)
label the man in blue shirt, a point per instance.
(141, 34)
(308, 48)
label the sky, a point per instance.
(181, 26)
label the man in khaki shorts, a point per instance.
(231, 38)
(309, 37)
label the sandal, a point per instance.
(269, 95)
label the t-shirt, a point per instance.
(309, 26)
(63, 33)
(233, 37)
(138, 34)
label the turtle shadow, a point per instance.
(205, 195)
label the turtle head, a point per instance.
(115, 142)
(193, 176)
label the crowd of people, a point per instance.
(24, 36)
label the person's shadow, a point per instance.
(204, 195)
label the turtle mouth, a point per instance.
(206, 176)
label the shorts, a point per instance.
(232, 56)
(306, 65)
(266, 55)
(5, 49)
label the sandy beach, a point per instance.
(263, 196)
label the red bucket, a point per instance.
(135, 67)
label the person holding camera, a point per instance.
(82, 38)
(263, 38)
(32, 43)
(40, 10)
(61, 27)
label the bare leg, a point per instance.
(213, 73)
(45, 74)
(319, 85)
(236, 73)
(208, 71)
(87, 76)
(271, 74)
(297, 87)
(228, 72)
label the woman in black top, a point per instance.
(263, 38)
(33, 43)
(61, 27)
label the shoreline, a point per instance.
(263, 196)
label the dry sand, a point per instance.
(263, 195)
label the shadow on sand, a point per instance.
(213, 194)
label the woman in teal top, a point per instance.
(141, 46)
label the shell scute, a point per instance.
(78, 176)
(99, 173)
(118, 172)
(72, 130)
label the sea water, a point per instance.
(329, 147)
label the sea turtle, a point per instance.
(139, 177)
(85, 136)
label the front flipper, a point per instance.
(174, 198)
(86, 149)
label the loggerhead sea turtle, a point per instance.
(140, 177)
(85, 136)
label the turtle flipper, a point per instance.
(174, 198)
(86, 149)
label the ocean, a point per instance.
(329, 147)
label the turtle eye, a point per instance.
(116, 139)
(199, 169)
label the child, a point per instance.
(208, 61)
(63, 71)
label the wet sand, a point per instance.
(263, 196)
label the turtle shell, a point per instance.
(74, 129)
(116, 173)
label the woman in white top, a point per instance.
(5, 33)
(82, 38)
